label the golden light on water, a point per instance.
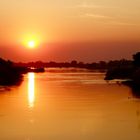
(31, 89)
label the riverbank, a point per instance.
(126, 72)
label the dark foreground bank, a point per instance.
(130, 73)
(11, 74)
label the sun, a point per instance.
(31, 41)
(31, 44)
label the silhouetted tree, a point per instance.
(136, 58)
(9, 74)
(74, 63)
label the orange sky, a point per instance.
(87, 30)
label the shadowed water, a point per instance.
(60, 105)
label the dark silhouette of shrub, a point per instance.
(9, 74)
(131, 72)
(136, 59)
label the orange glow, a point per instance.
(31, 41)
(31, 91)
(69, 29)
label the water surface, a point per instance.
(60, 105)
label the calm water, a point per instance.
(60, 105)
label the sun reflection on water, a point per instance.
(31, 89)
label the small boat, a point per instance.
(36, 70)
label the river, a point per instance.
(68, 105)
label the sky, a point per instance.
(85, 30)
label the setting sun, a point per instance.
(31, 44)
(30, 40)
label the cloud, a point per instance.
(122, 23)
(96, 16)
(101, 17)
(86, 5)
(108, 20)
